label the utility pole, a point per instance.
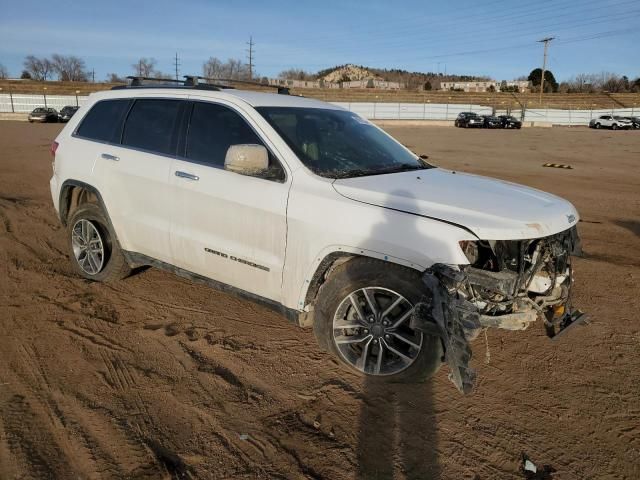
(93, 75)
(250, 51)
(544, 64)
(176, 64)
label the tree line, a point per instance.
(71, 68)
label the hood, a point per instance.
(492, 209)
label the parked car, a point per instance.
(509, 121)
(635, 121)
(43, 115)
(468, 120)
(66, 113)
(316, 212)
(610, 121)
(489, 121)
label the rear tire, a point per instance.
(598, 125)
(95, 252)
(377, 347)
(614, 126)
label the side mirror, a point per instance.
(246, 159)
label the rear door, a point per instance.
(134, 172)
(227, 226)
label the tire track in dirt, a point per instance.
(32, 446)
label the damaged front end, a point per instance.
(507, 284)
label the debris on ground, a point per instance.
(532, 472)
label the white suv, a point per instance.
(313, 210)
(613, 122)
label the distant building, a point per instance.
(524, 86)
(367, 83)
(486, 86)
(471, 86)
(282, 82)
(373, 83)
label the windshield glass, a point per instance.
(339, 144)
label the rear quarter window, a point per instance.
(104, 121)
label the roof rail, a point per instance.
(150, 82)
(193, 81)
(281, 90)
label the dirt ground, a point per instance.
(156, 377)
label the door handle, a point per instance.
(108, 156)
(188, 176)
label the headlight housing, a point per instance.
(470, 250)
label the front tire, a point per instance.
(363, 315)
(614, 126)
(95, 253)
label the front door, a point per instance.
(228, 227)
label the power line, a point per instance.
(560, 41)
(528, 27)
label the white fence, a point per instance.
(434, 111)
(26, 103)
(373, 111)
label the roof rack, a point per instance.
(281, 90)
(150, 82)
(192, 81)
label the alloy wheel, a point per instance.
(372, 332)
(88, 247)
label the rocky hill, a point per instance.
(347, 73)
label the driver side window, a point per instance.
(213, 129)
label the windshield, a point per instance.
(339, 144)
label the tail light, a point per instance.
(52, 151)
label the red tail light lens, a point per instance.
(52, 151)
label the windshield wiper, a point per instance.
(380, 171)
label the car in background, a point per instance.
(66, 113)
(508, 121)
(489, 121)
(610, 121)
(43, 115)
(468, 119)
(635, 122)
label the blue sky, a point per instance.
(496, 38)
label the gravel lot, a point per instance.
(156, 377)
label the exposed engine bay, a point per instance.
(507, 284)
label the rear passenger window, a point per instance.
(151, 125)
(212, 130)
(104, 121)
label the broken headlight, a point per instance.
(470, 250)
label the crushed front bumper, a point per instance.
(460, 301)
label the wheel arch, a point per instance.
(335, 256)
(68, 192)
(71, 191)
